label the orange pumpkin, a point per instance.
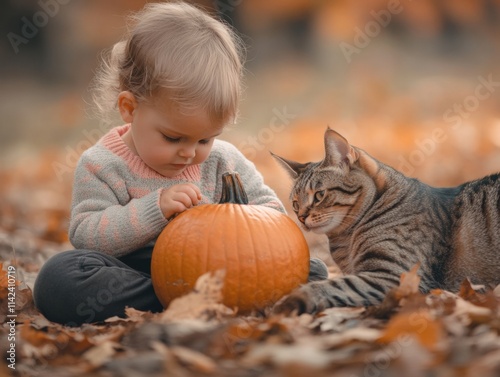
(263, 252)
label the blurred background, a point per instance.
(414, 83)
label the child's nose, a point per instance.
(187, 151)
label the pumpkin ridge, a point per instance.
(162, 271)
(182, 263)
(223, 211)
(249, 224)
(290, 252)
(213, 225)
(272, 220)
(167, 268)
(236, 230)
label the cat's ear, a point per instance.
(338, 150)
(293, 168)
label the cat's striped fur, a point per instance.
(381, 223)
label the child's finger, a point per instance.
(194, 193)
(184, 198)
(196, 190)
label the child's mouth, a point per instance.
(179, 166)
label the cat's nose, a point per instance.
(302, 219)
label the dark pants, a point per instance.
(78, 286)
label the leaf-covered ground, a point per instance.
(439, 334)
(409, 333)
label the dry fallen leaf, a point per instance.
(333, 319)
(409, 283)
(496, 291)
(306, 353)
(204, 302)
(467, 313)
(420, 324)
(65, 340)
(132, 316)
(194, 360)
(357, 334)
(477, 295)
(408, 288)
(101, 353)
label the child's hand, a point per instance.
(178, 198)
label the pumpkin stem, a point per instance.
(232, 189)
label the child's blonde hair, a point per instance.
(178, 50)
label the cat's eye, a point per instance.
(318, 196)
(295, 205)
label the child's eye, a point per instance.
(171, 139)
(204, 141)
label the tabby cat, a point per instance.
(381, 223)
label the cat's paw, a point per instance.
(317, 270)
(303, 300)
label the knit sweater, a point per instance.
(116, 196)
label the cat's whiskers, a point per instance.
(324, 221)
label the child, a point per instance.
(176, 83)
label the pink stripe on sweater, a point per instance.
(134, 218)
(137, 192)
(93, 169)
(114, 142)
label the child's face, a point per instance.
(167, 140)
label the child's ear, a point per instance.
(127, 105)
